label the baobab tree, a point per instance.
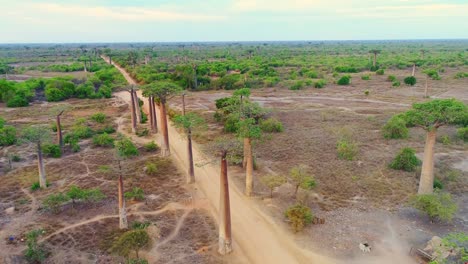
(225, 149)
(38, 135)
(162, 91)
(249, 130)
(430, 116)
(375, 52)
(124, 149)
(189, 122)
(133, 115)
(58, 111)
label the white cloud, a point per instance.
(121, 13)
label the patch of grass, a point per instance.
(136, 194)
(152, 146)
(99, 117)
(346, 150)
(271, 125)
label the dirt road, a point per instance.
(255, 233)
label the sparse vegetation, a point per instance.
(136, 194)
(436, 205)
(299, 216)
(271, 125)
(133, 240)
(346, 149)
(406, 160)
(273, 181)
(103, 140)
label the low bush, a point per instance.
(99, 117)
(52, 150)
(126, 148)
(299, 216)
(366, 92)
(272, 182)
(297, 86)
(152, 146)
(135, 194)
(380, 72)
(35, 186)
(271, 125)
(391, 78)
(344, 80)
(133, 240)
(103, 140)
(405, 160)
(461, 75)
(54, 202)
(438, 184)
(411, 80)
(437, 205)
(151, 169)
(365, 77)
(34, 252)
(395, 128)
(396, 84)
(15, 158)
(7, 135)
(346, 150)
(320, 84)
(82, 131)
(462, 133)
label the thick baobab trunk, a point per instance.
(374, 63)
(249, 169)
(40, 166)
(133, 115)
(59, 130)
(244, 159)
(137, 107)
(155, 120)
(123, 224)
(225, 239)
(426, 181)
(191, 170)
(150, 113)
(165, 148)
(414, 70)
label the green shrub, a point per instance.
(365, 77)
(461, 75)
(462, 133)
(396, 84)
(103, 140)
(297, 86)
(438, 184)
(271, 125)
(405, 160)
(231, 124)
(7, 136)
(152, 146)
(35, 186)
(126, 148)
(320, 84)
(380, 72)
(432, 73)
(299, 216)
(136, 194)
(99, 117)
(144, 117)
(15, 158)
(17, 101)
(391, 78)
(54, 202)
(346, 150)
(344, 80)
(76, 193)
(444, 139)
(273, 181)
(133, 240)
(437, 205)
(142, 132)
(411, 80)
(137, 261)
(2, 122)
(151, 169)
(82, 131)
(52, 150)
(395, 128)
(366, 92)
(459, 243)
(140, 225)
(34, 252)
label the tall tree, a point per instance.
(133, 109)
(189, 123)
(430, 116)
(375, 52)
(58, 111)
(225, 149)
(125, 149)
(249, 130)
(162, 91)
(38, 135)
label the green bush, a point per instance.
(438, 184)
(365, 77)
(320, 84)
(54, 202)
(137, 261)
(151, 169)
(391, 78)
(366, 92)
(136, 194)
(297, 86)
(444, 139)
(396, 84)
(433, 74)
(103, 140)
(126, 148)
(231, 124)
(99, 117)
(15, 158)
(346, 150)
(380, 72)
(344, 80)
(76, 193)
(152, 146)
(133, 240)
(405, 160)
(7, 136)
(17, 101)
(462, 133)
(461, 75)
(140, 225)
(34, 252)
(35, 186)
(411, 80)
(82, 131)
(299, 216)
(271, 125)
(52, 150)
(395, 128)
(437, 205)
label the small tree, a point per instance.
(430, 116)
(300, 177)
(189, 123)
(58, 111)
(38, 135)
(437, 205)
(411, 80)
(405, 160)
(299, 216)
(273, 181)
(133, 240)
(344, 80)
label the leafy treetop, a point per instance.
(163, 90)
(436, 113)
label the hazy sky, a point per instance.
(226, 20)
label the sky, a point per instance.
(65, 21)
